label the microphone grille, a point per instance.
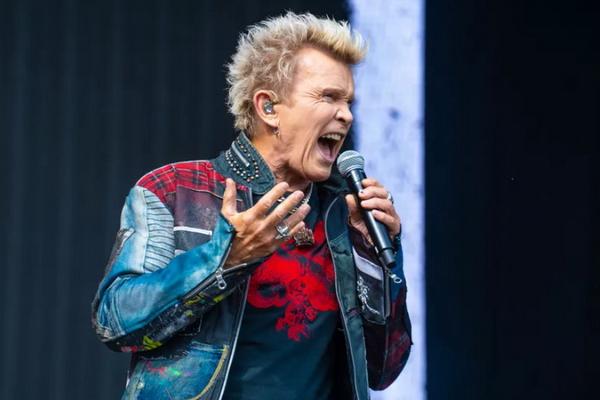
(349, 160)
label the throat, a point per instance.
(284, 173)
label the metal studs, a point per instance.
(247, 173)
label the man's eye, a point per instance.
(329, 98)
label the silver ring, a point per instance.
(389, 197)
(283, 231)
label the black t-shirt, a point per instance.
(284, 350)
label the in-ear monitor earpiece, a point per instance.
(268, 107)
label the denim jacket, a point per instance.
(167, 299)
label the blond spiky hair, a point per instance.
(265, 57)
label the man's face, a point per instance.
(315, 117)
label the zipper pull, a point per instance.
(392, 275)
(220, 281)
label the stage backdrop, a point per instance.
(389, 134)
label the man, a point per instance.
(252, 275)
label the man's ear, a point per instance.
(265, 102)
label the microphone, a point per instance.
(352, 166)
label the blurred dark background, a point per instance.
(93, 94)
(512, 193)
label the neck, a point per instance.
(270, 149)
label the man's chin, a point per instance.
(320, 175)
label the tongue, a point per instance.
(326, 150)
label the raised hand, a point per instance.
(376, 198)
(258, 231)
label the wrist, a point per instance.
(232, 259)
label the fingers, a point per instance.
(296, 228)
(373, 191)
(369, 182)
(229, 207)
(351, 202)
(383, 210)
(264, 205)
(374, 197)
(282, 210)
(353, 206)
(391, 222)
(297, 217)
(295, 222)
(378, 203)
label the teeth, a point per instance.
(333, 136)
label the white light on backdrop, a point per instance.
(389, 134)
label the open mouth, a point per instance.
(329, 145)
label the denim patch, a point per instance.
(191, 374)
(160, 245)
(122, 237)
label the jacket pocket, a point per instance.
(190, 375)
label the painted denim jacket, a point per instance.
(166, 298)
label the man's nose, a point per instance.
(344, 114)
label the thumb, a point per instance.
(352, 205)
(229, 196)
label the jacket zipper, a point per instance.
(234, 344)
(386, 296)
(337, 294)
(238, 323)
(217, 276)
(387, 275)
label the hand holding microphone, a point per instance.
(371, 207)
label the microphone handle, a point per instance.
(377, 230)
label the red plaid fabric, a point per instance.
(196, 175)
